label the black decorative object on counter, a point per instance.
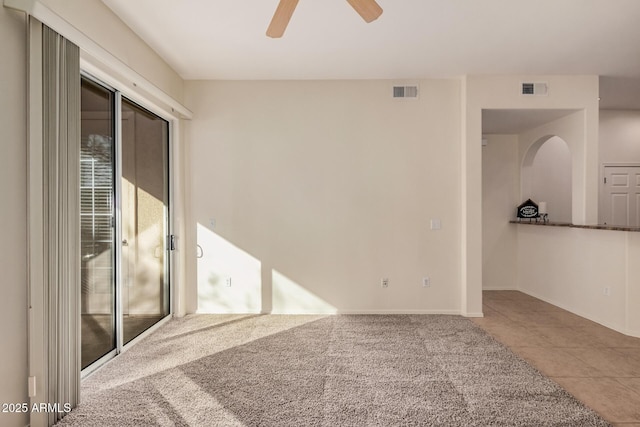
(527, 210)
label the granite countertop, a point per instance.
(568, 224)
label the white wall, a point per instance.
(13, 226)
(503, 92)
(570, 267)
(237, 110)
(322, 188)
(500, 196)
(565, 92)
(572, 130)
(619, 136)
(551, 179)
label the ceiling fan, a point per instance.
(368, 9)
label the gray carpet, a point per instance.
(363, 370)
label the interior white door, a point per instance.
(621, 196)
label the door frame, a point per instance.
(168, 285)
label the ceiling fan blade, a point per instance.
(281, 18)
(368, 9)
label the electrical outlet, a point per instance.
(606, 291)
(426, 282)
(384, 282)
(227, 282)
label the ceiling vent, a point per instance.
(534, 89)
(405, 91)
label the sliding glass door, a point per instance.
(97, 222)
(125, 221)
(145, 199)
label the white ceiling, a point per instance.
(327, 39)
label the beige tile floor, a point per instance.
(599, 366)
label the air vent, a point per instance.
(405, 91)
(534, 89)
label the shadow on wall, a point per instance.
(546, 176)
(230, 280)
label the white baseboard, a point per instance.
(227, 312)
(356, 311)
(632, 333)
(449, 312)
(359, 311)
(473, 314)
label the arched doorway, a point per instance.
(546, 176)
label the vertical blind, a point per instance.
(61, 220)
